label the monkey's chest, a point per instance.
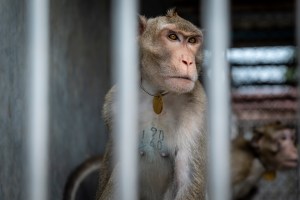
(156, 162)
(153, 142)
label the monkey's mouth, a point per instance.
(180, 84)
(290, 163)
(188, 78)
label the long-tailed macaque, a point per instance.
(172, 106)
(271, 148)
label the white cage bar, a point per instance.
(216, 22)
(124, 15)
(38, 76)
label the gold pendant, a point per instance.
(158, 104)
(269, 175)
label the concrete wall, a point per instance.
(80, 77)
(12, 96)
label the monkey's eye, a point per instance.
(293, 138)
(173, 36)
(192, 40)
(283, 137)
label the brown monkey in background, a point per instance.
(172, 106)
(271, 148)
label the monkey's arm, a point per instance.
(110, 186)
(243, 187)
(105, 177)
(190, 173)
(191, 160)
(105, 173)
(246, 170)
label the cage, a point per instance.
(262, 58)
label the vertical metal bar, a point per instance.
(298, 84)
(216, 22)
(38, 99)
(125, 62)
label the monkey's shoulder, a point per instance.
(241, 154)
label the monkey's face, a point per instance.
(179, 71)
(287, 157)
(171, 54)
(278, 149)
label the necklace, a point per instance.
(269, 175)
(157, 101)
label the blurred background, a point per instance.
(262, 59)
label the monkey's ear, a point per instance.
(142, 24)
(259, 131)
(255, 140)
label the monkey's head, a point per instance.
(275, 144)
(170, 52)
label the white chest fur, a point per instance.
(163, 133)
(169, 143)
(161, 138)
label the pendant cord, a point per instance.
(160, 94)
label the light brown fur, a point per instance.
(172, 145)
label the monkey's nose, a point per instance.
(295, 157)
(295, 154)
(187, 62)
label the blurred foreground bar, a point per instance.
(125, 64)
(216, 22)
(38, 105)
